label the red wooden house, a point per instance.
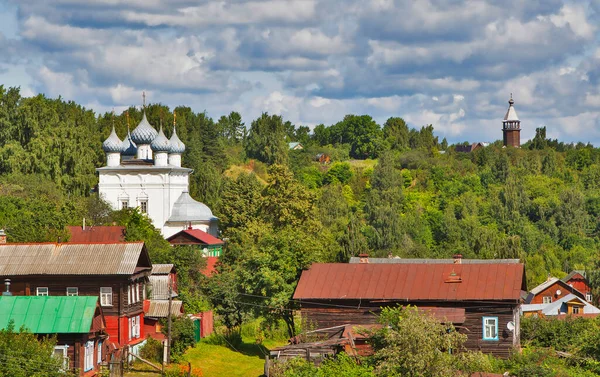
(578, 280)
(210, 246)
(551, 290)
(481, 299)
(115, 272)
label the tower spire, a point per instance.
(511, 126)
(144, 100)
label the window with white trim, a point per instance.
(99, 355)
(130, 336)
(60, 352)
(588, 297)
(137, 292)
(106, 296)
(575, 309)
(129, 295)
(134, 327)
(41, 291)
(547, 300)
(144, 206)
(72, 291)
(490, 328)
(124, 204)
(88, 358)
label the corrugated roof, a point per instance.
(160, 308)
(49, 314)
(160, 287)
(162, 269)
(97, 234)
(550, 282)
(434, 261)
(201, 236)
(72, 259)
(419, 282)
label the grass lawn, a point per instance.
(217, 361)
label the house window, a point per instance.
(124, 204)
(106, 296)
(60, 352)
(547, 300)
(575, 309)
(99, 356)
(88, 356)
(137, 292)
(134, 327)
(143, 206)
(72, 291)
(588, 297)
(129, 295)
(490, 328)
(41, 291)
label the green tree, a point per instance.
(266, 140)
(395, 132)
(361, 132)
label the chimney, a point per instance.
(364, 258)
(2, 236)
(7, 284)
(457, 258)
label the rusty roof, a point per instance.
(73, 259)
(417, 282)
(396, 260)
(96, 234)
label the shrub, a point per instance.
(152, 350)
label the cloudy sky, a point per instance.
(449, 63)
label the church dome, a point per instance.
(144, 133)
(177, 145)
(112, 144)
(128, 147)
(186, 209)
(160, 142)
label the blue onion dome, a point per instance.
(112, 144)
(144, 133)
(160, 143)
(128, 148)
(177, 145)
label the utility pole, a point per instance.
(169, 322)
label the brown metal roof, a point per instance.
(418, 282)
(72, 259)
(96, 234)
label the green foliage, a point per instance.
(266, 140)
(22, 354)
(338, 172)
(182, 335)
(152, 350)
(341, 365)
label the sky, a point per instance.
(449, 63)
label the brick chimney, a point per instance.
(2, 236)
(364, 258)
(457, 258)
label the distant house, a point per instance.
(323, 158)
(551, 290)
(210, 246)
(82, 234)
(481, 299)
(77, 323)
(579, 281)
(156, 307)
(116, 272)
(468, 148)
(567, 305)
(295, 146)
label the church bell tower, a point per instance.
(511, 126)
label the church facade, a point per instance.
(144, 171)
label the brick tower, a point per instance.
(511, 126)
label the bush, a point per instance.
(152, 350)
(182, 335)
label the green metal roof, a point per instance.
(49, 314)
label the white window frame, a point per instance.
(75, 291)
(88, 358)
(99, 353)
(130, 336)
(129, 294)
(575, 308)
(65, 356)
(547, 300)
(144, 206)
(106, 297)
(589, 297)
(137, 292)
(39, 291)
(490, 328)
(124, 204)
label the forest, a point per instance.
(388, 190)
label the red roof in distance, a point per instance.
(97, 234)
(200, 236)
(412, 282)
(211, 266)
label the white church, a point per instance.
(144, 171)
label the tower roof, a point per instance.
(144, 133)
(112, 144)
(511, 113)
(128, 148)
(186, 209)
(177, 145)
(160, 142)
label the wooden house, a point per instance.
(295, 146)
(468, 148)
(156, 307)
(569, 305)
(579, 281)
(210, 245)
(115, 272)
(551, 290)
(323, 158)
(481, 299)
(77, 323)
